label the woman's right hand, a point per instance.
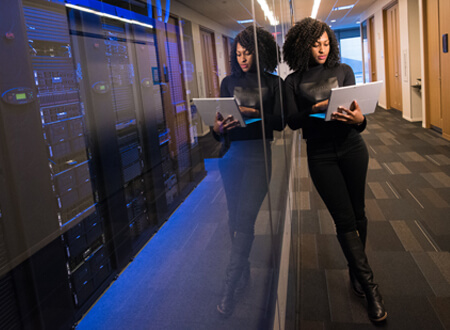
(222, 125)
(320, 107)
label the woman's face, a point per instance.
(244, 58)
(321, 48)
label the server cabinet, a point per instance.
(69, 153)
(29, 208)
(113, 105)
(45, 142)
(95, 151)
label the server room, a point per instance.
(122, 206)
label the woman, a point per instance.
(337, 155)
(242, 167)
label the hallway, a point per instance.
(175, 281)
(408, 207)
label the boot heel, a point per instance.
(356, 257)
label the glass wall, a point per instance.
(121, 206)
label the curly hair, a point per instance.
(267, 49)
(300, 39)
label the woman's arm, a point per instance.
(349, 76)
(276, 115)
(296, 113)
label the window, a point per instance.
(350, 50)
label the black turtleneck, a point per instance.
(304, 89)
(245, 88)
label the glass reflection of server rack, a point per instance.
(129, 135)
(104, 55)
(160, 164)
(85, 154)
(63, 125)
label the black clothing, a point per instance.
(245, 89)
(338, 168)
(243, 172)
(337, 155)
(304, 89)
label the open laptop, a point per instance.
(208, 107)
(365, 94)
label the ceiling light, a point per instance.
(87, 10)
(343, 7)
(267, 12)
(333, 21)
(315, 8)
(245, 21)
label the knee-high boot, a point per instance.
(240, 251)
(361, 226)
(356, 257)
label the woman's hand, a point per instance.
(349, 116)
(222, 125)
(250, 112)
(320, 107)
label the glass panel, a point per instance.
(119, 205)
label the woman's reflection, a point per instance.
(242, 167)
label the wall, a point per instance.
(376, 10)
(410, 62)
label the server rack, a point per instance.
(106, 163)
(63, 123)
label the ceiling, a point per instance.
(229, 12)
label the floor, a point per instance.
(408, 207)
(176, 280)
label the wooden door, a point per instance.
(211, 79)
(444, 29)
(392, 58)
(432, 63)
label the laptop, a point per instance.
(208, 107)
(365, 94)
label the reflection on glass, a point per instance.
(101, 145)
(242, 167)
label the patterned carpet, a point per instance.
(408, 206)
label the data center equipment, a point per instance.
(96, 150)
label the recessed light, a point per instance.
(315, 8)
(343, 7)
(245, 21)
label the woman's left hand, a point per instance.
(349, 116)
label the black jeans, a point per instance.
(243, 172)
(338, 169)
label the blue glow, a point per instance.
(167, 11)
(245, 21)
(158, 10)
(149, 9)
